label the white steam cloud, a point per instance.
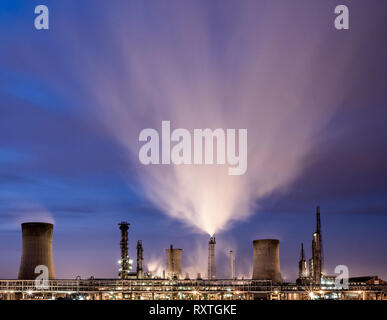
(181, 68)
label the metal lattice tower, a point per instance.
(125, 266)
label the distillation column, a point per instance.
(125, 267)
(211, 259)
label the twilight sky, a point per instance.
(73, 100)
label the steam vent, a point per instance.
(37, 250)
(266, 265)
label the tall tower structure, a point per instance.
(232, 264)
(317, 256)
(266, 261)
(36, 250)
(139, 259)
(173, 255)
(124, 262)
(302, 269)
(211, 259)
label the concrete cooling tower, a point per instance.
(174, 262)
(37, 250)
(266, 265)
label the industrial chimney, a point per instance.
(211, 259)
(232, 264)
(174, 262)
(37, 250)
(302, 269)
(139, 259)
(266, 265)
(124, 262)
(316, 261)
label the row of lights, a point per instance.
(312, 295)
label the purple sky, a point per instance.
(59, 162)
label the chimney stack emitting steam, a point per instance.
(211, 259)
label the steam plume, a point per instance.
(178, 69)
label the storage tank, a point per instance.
(174, 262)
(266, 265)
(37, 250)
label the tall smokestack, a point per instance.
(174, 262)
(139, 259)
(37, 250)
(318, 220)
(266, 264)
(317, 256)
(125, 267)
(302, 270)
(232, 264)
(211, 259)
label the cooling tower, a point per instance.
(174, 262)
(266, 264)
(37, 250)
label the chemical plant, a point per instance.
(265, 282)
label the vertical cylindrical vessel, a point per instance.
(174, 262)
(37, 250)
(232, 265)
(266, 265)
(139, 259)
(211, 259)
(125, 261)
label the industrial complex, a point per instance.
(37, 280)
